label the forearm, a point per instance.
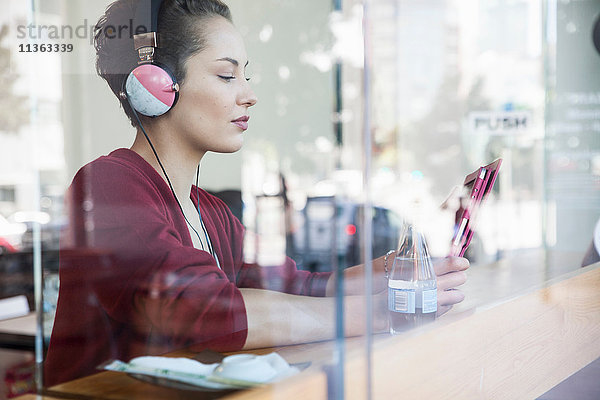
(276, 319)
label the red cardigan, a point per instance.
(135, 285)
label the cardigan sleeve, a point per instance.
(168, 292)
(284, 278)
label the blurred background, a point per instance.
(453, 85)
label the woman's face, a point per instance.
(214, 98)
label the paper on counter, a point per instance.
(194, 372)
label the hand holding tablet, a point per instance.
(478, 184)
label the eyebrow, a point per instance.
(231, 60)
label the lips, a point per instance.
(241, 122)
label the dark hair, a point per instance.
(181, 36)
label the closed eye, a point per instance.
(226, 78)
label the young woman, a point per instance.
(159, 262)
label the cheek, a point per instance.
(198, 106)
(206, 102)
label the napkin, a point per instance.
(196, 373)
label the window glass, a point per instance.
(365, 119)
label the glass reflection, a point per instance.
(455, 85)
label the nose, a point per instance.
(247, 97)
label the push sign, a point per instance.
(500, 122)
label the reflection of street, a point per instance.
(330, 229)
(502, 225)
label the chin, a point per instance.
(232, 147)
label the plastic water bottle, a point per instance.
(412, 286)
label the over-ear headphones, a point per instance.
(151, 89)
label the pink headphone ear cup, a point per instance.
(145, 88)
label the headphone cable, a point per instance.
(173, 190)
(210, 246)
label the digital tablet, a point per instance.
(477, 187)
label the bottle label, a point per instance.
(429, 301)
(401, 297)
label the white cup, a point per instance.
(246, 367)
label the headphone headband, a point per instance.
(146, 15)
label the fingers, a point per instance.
(450, 274)
(449, 297)
(450, 264)
(451, 280)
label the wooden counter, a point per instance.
(518, 347)
(515, 350)
(310, 384)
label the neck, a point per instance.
(179, 161)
